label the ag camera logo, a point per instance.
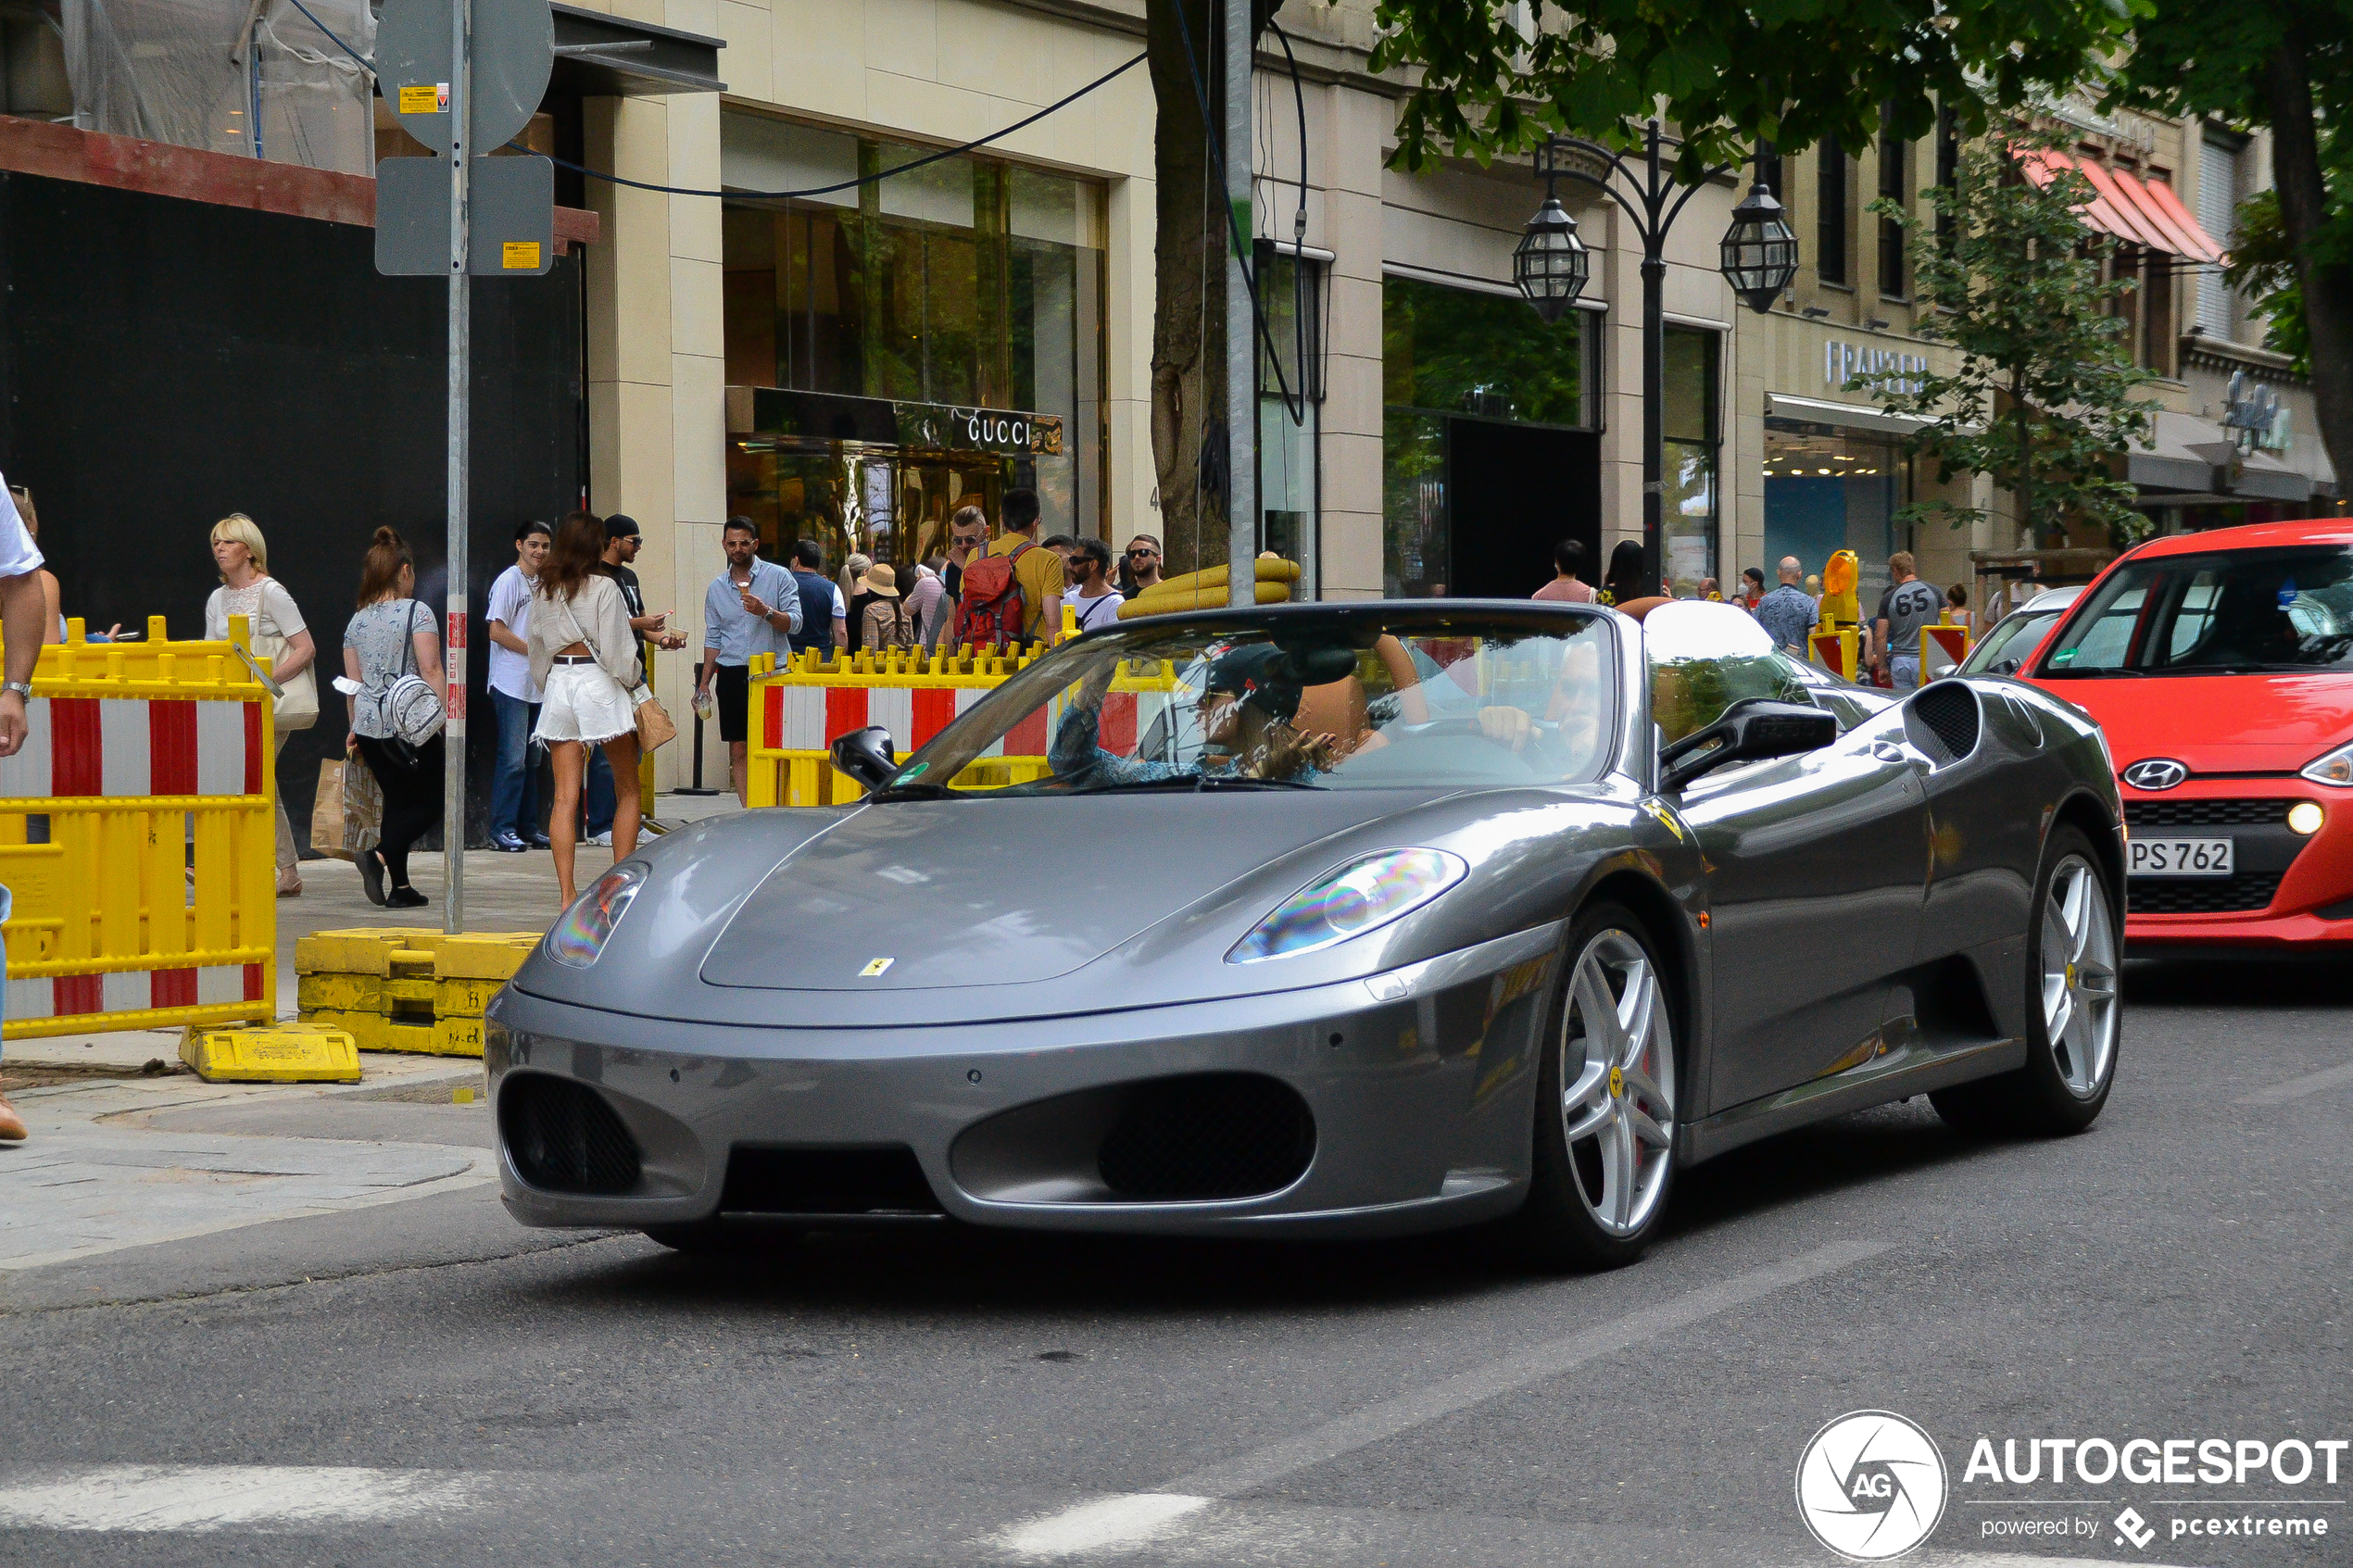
(1871, 1486)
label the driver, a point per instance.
(1247, 705)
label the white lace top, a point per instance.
(269, 611)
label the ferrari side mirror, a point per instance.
(1750, 731)
(866, 755)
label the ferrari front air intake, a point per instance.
(1210, 1137)
(564, 1137)
(1947, 711)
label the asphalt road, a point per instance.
(430, 1384)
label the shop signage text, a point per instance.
(980, 430)
(1842, 362)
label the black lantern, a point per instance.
(1551, 263)
(1760, 253)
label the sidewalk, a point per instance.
(130, 1148)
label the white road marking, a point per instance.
(1125, 1521)
(2296, 1088)
(223, 1496)
(1115, 1523)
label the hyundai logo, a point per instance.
(2155, 772)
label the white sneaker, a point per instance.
(602, 840)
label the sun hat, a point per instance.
(881, 580)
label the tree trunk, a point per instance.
(2328, 290)
(1188, 306)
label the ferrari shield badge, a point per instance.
(874, 967)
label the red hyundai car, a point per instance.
(2221, 666)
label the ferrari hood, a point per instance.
(918, 894)
(2218, 723)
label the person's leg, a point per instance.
(730, 689)
(509, 786)
(621, 759)
(413, 804)
(563, 823)
(11, 1125)
(599, 791)
(527, 819)
(289, 878)
(738, 761)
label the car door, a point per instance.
(1816, 867)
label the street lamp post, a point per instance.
(1551, 264)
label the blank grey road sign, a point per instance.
(511, 210)
(514, 44)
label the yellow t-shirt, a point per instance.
(1039, 571)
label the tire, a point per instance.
(1587, 1208)
(2074, 1007)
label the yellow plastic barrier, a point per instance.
(402, 989)
(798, 710)
(1207, 589)
(138, 839)
(279, 1053)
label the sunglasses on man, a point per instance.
(1141, 555)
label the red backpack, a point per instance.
(991, 609)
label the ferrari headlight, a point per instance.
(582, 933)
(1358, 897)
(2336, 767)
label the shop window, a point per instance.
(1830, 215)
(1894, 185)
(1291, 294)
(1454, 358)
(1829, 489)
(1688, 503)
(970, 283)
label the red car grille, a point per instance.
(2205, 813)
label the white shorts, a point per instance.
(584, 703)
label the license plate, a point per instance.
(2180, 857)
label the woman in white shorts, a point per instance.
(583, 656)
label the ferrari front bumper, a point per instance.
(1416, 1087)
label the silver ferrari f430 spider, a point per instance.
(1332, 920)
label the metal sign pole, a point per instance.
(1242, 361)
(453, 810)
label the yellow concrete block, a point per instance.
(279, 1053)
(474, 955)
(420, 1032)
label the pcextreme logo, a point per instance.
(1871, 1486)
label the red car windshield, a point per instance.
(2237, 612)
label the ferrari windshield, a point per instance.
(2228, 613)
(1346, 699)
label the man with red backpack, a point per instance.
(1013, 593)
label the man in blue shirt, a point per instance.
(824, 618)
(1787, 613)
(752, 606)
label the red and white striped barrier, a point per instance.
(812, 718)
(133, 990)
(135, 747)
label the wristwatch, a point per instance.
(21, 688)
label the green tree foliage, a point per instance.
(1498, 77)
(2042, 398)
(2288, 65)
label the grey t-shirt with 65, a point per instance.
(1907, 607)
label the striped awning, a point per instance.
(2141, 212)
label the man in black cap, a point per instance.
(1249, 698)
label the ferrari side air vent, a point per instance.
(1212, 1135)
(872, 1184)
(564, 1137)
(1947, 712)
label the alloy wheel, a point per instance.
(2079, 978)
(1617, 1078)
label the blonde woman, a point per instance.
(584, 660)
(278, 633)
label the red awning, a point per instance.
(2135, 229)
(2161, 193)
(2143, 214)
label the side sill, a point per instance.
(1898, 1076)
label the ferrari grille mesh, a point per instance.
(2205, 813)
(564, 1137)
(1217, 1136)
(1949, 710)
(2248, 890)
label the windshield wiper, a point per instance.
(1191, 784)
(913, 792)
(1219, 780)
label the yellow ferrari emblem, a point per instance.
(874, 968)
(2070, 974)
(1616, 1084)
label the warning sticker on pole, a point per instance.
(520, 255)
(426, 99)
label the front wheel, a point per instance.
(2074, 1005)
(1604, 1144)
